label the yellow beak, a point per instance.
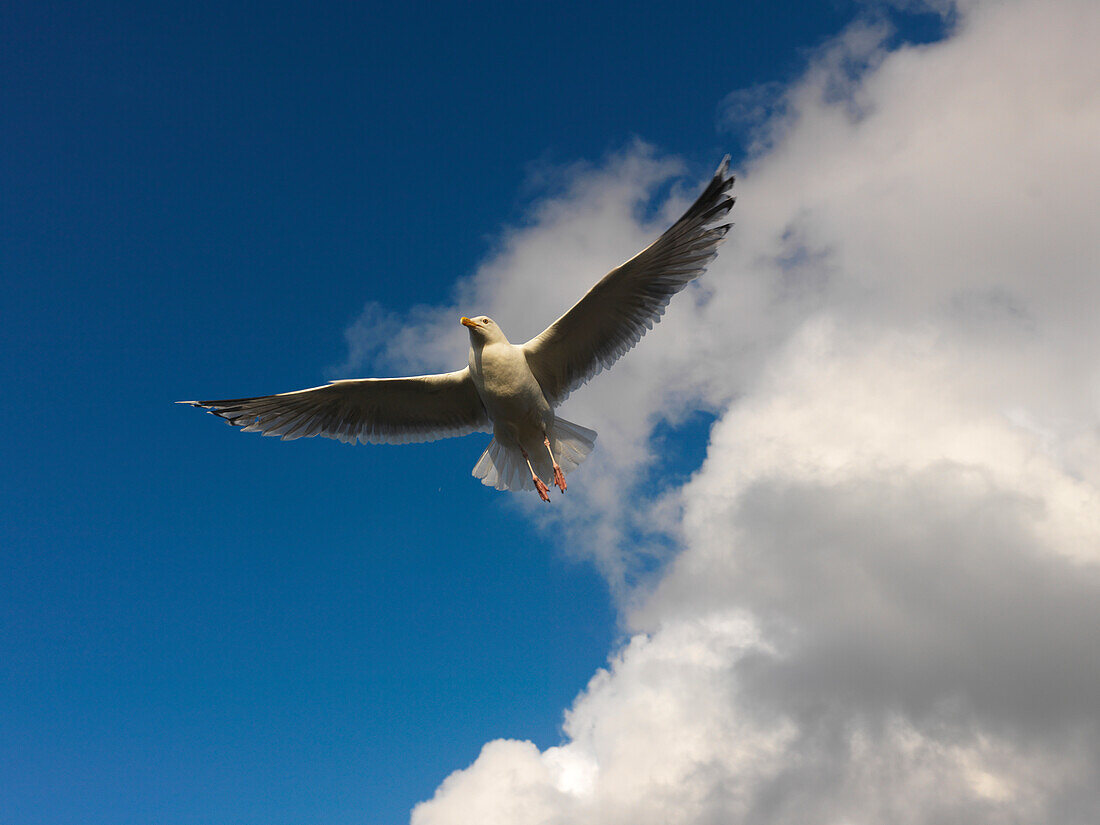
(466, 322)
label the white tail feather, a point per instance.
(504, 468)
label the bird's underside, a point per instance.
(509, 389)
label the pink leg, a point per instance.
(543, 490)
(559, 476)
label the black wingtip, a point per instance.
(723, 179)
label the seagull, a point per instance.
(510, 390)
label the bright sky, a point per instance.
(836, 557)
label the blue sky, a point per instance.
(198, 200)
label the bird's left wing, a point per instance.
(614, 315)
(369, 410)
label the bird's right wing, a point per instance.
(369, 410)
(614, 315)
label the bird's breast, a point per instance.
(507, 386)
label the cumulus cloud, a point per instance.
(885, 598)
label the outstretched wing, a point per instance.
(368, 410)
(614, 315)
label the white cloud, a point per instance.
(886, 598)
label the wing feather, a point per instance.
(614, 315)
(368, 410)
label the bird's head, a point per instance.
(483, 330)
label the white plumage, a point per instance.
(509, 389)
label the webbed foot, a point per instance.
(543, 490)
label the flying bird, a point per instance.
(509, 389)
